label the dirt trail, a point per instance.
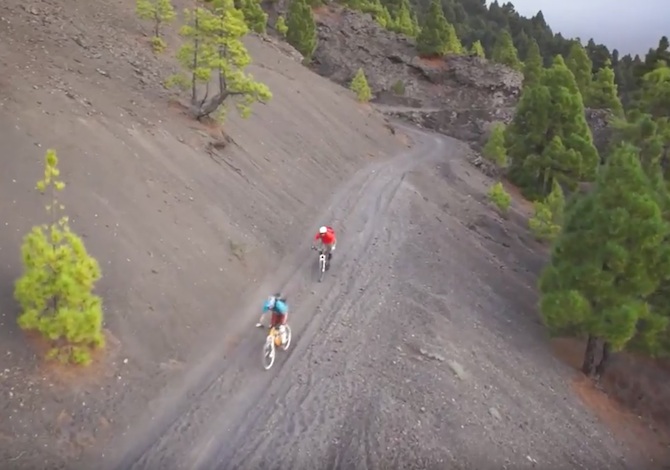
(377, 376)
(360, 211)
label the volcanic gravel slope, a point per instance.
(420, 349)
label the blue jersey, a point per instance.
(279, 307)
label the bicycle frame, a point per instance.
(274, 336)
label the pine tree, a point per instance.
(477, 50)
(437, 36)
(650, 136)
(359, 85)
(581, 67)
(549, 137)
(281, 27)
(547, 222)
(655, 91)
(603, 93)
(254, 15)
(378, 11)
(610, 257)
(56, 289)
(214, 46)
(533, 67)
(404, 22)
(301, 32)
(494, 150)
(454, 45)
(504, 51)
(160, 12)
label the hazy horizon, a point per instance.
(632, 28)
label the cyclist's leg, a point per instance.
(275, 319)
(281, 322)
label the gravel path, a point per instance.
(416, 351)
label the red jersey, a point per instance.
(328, 238)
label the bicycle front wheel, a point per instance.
(269, 353)
(288, 338)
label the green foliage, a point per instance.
(500, 198)
(650, 136)
(398, 87)
(214, 47)
(477, 50)
(56, 289)
(403, 20)
(160, 12)
(547, 222)
(603, 92)
(254, 15)
(158, 45)
(397, 16)
(359, 85)
(504, 51)
(581, 67)
(549, 137)
(655, 91)
(376, 10)
(610, 257)
(281, 27)
(532, 67)
(494, 150)
(301, 32)
(437, 36)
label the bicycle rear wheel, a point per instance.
(269, 353)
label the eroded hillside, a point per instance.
(179, 226)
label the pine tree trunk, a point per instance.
(207, 108)
(589, 356)
(605, 360)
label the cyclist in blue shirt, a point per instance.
(279, 308)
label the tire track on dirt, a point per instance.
(236, 392)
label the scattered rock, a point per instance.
(495, 413)
(458, 370)
(431, 355)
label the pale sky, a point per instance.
(631, 26)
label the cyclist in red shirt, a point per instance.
(328, 240)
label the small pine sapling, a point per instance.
(160, 12)
(55, 291)
(500, 198)
(494, 150)
(281, 27)
(359, 85)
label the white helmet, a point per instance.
(323, 230)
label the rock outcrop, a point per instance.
(459, 96)
(350, 40)
(473, 126)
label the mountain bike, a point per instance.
(272, 342)
(323, 261)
